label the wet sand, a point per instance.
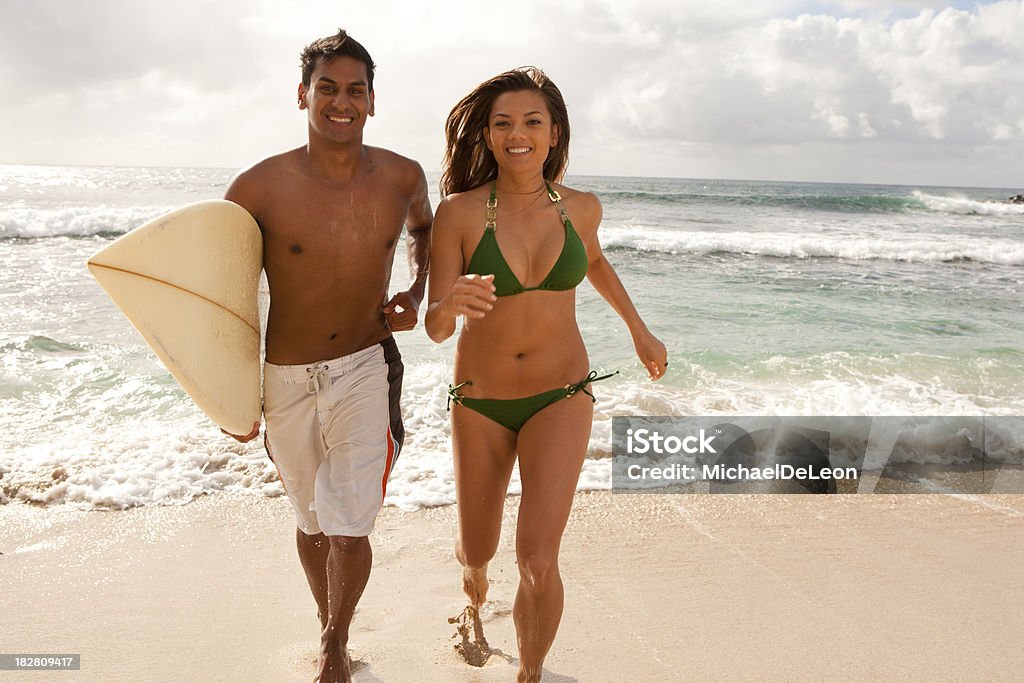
(658, 587)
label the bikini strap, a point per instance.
(454, 395)
(492, 208)
(556, 199)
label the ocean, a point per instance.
(772, 298)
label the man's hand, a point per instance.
(402, 311)
(248, 437)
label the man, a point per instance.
(331, 213)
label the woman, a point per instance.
(506, 256)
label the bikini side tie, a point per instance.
(571, 389)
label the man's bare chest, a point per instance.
(364, 220)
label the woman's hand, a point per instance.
(652, 354)
(471, 295)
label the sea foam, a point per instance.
(74, 221)
(964, 205)
(910, 248)
(107, 438)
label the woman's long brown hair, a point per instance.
(467, 161)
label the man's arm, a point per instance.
(241, 192)
(418, 223)
(245, 190)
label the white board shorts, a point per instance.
(334, 432)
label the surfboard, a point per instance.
(188, 283)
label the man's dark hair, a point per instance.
(340, 44)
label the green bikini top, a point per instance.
(568, 271)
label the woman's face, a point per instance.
(520, 132)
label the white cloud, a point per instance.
(685, 87)
(951, 76)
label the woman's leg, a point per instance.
(552, 445)
(484, 456)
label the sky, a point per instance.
(902, 92)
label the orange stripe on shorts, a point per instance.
(387, 466)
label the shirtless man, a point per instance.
(331, 213)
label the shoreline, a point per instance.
(658, 587)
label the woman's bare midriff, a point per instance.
(529, 343)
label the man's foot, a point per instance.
(475, 585)
(334, 666)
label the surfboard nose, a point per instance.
(188, 282)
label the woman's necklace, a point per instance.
(542, 187)
(539, 193)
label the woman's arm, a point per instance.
(602, 276)
(449, 292)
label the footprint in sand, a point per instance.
(357, 660)
(474, 652)
(494, 609)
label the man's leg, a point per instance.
(294, 445)
(363, 436)
(313, 553)
(348, 569)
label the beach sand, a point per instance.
(658, 588)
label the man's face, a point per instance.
(338, 99)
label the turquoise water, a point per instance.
(773, 298)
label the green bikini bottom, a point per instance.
(512, 413)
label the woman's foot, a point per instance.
(475, 585)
